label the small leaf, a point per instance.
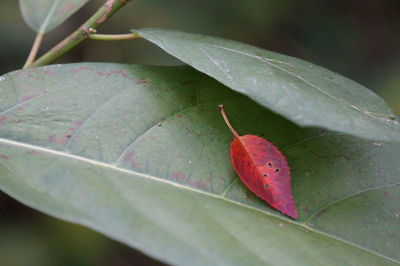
(45, 15)
(263, 169)
(302, 92)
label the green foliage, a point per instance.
(302, 92)
(141, 155)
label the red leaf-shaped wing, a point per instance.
(264, 170)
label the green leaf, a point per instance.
(141, 154)
(45, 15)
(302, 92)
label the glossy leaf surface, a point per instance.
(141, 154)
(302, 92)
(45, 15)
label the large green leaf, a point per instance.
(302, 92)
(141, 154)
(45, 15)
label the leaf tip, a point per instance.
(289, 210)
(292, 213)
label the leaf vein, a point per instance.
(335, 202)
(88, 118)
(42, 95)
(179, 186)
(215, 62)
(119, 158)
(268, 61)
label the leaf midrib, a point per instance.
(180, 186)
(87, 220)
(377, 116)
(267, 61)
(50, 13)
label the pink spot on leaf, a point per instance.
(385, 193)
(65, 9)
(50, 72)
(4, 157)
(120, 72)
(320, 213)
(28, 97)
(129, 155)
(59, 140)
(378, 172)
(198, 184)
(78, 124)
(79, 69)
(2, 120)
(178, 176)
(141, 81)
(114, 72)
(129, 159)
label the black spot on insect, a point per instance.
(265, 175)
(277, 170)
(269, 165)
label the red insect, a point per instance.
(263, 169)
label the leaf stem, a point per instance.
(34, 49)
(113, 37)
(221, 107)
(82, 33)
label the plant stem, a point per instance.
(221, 107)
(34, 49)
(82, 33)
(113, 37)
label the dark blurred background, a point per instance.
(357, 38)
